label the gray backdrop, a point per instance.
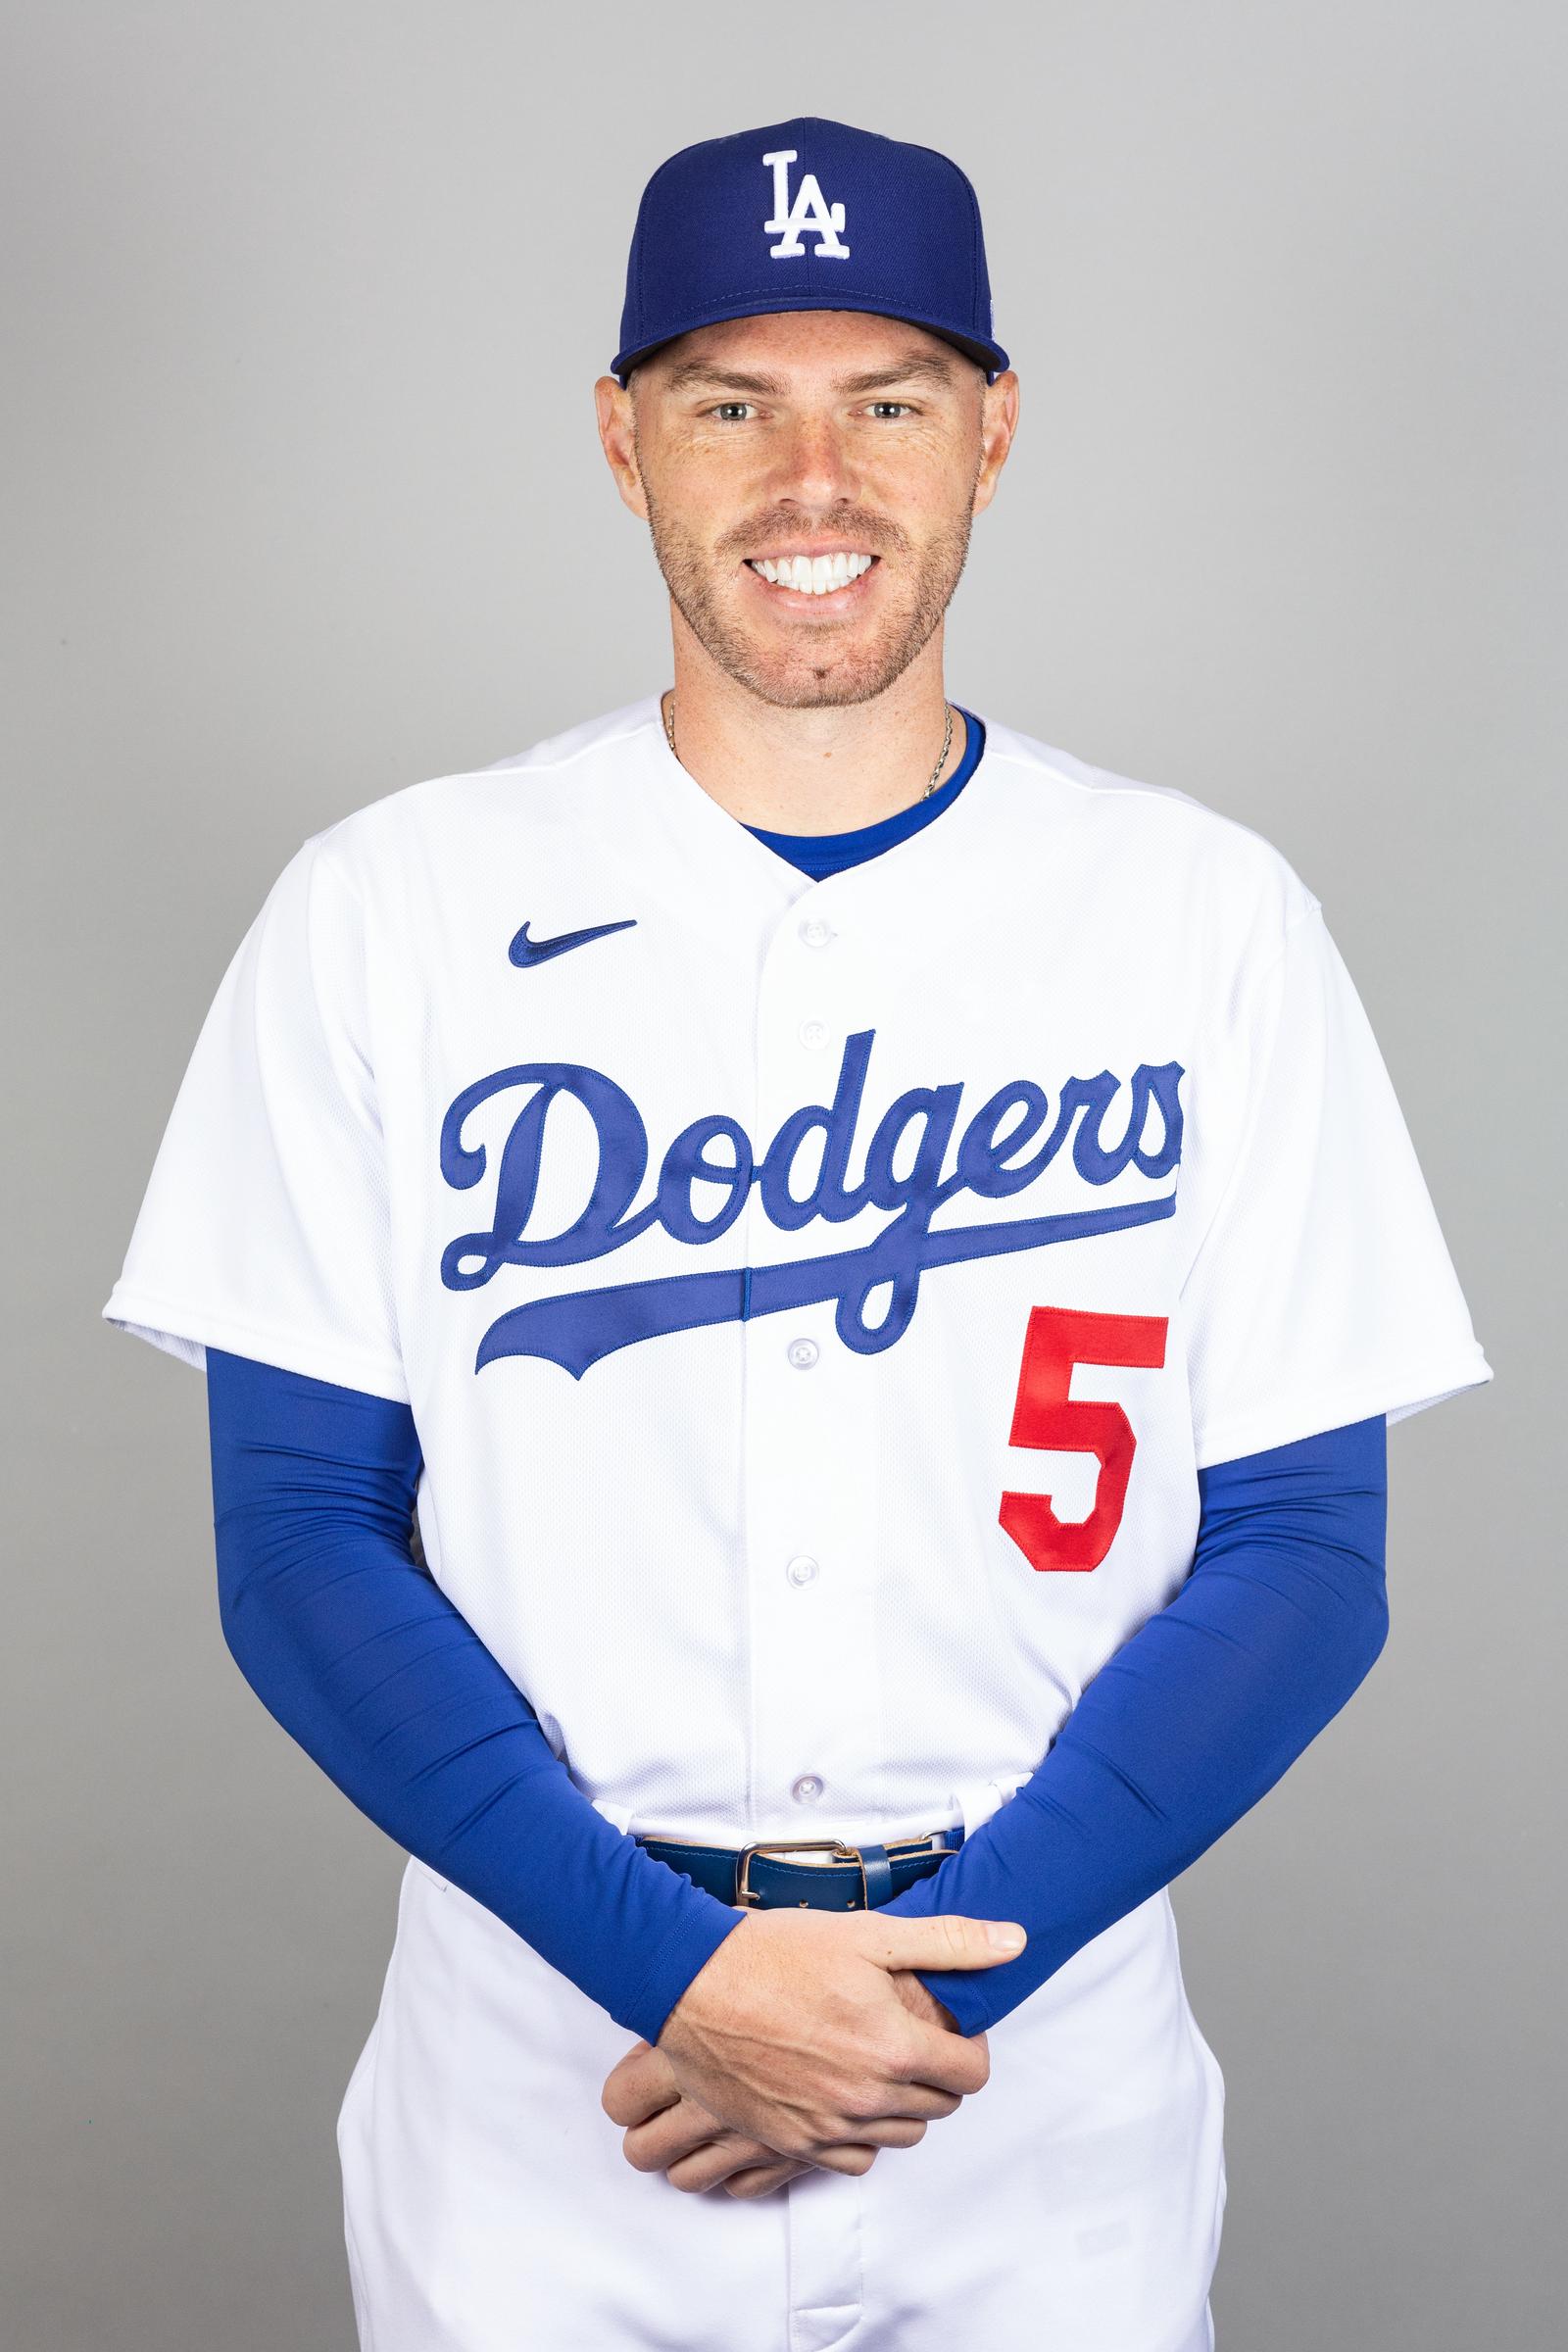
(304, 304)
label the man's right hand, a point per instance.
(794, 2033)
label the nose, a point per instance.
(813, 465)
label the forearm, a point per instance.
(379, 1678)
(1192, 1721)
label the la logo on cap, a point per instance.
(809, 215)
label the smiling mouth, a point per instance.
(812, 575)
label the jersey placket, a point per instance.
(808, 1452)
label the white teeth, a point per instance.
(812, 575)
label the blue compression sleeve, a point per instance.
(366, 1662)
(1189, 1723)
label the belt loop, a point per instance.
(622, 1815)
(977, 1800)
(876, 1872)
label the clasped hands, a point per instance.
(806, 2040)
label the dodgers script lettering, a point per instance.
(713, 1162)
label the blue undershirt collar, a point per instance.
(823, 854)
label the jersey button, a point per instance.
(815, 932)
(813, 1034)
(802, 1354)
(807, 1790)
(801, 1571)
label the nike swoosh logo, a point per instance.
(525, 951)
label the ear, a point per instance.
(998, 423)
(618, 440)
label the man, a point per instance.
(883, 1255)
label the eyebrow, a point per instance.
(918, 367)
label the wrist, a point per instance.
(676, 1965)
(922, 2002)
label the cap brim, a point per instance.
(989, 355)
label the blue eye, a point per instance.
(727, 410)
(901, 406)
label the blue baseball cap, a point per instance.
(808, 215)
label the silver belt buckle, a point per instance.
(744, 1895)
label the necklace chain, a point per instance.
(942, 762)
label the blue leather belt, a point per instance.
(754, 1877)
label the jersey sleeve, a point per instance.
(264, 1228)
(1322, 1291)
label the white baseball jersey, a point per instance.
(816, 1302)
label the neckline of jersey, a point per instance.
(949, 798)
(885, 831)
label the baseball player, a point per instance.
(800, 1295)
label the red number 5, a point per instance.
(1044, 1415)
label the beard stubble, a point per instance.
(849, 674)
